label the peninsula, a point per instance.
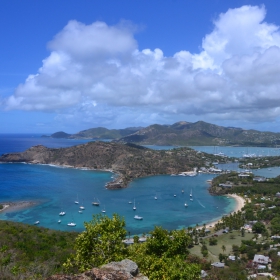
(129, 161)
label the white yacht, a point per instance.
(96, 202)
(136, 217)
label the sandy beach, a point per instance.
(240, 202)
(13, 206)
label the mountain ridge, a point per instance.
(181, 133)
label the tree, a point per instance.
(163, 256)
(223, 248)
(100, 243)
(258, 227)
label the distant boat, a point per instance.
(130, 202)
(136, 217)
(134, 207)
(80, 211)
(174, 195)
(82, 207)
(37, 222)
(103, 210)
(191, 199)
(71, 224)
(59, 221)
(62, 213)
(186, 204)
(155, 198)
(183, 191)
(96, 202)
(77, 200)
(191, 193)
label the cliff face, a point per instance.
(129, 161)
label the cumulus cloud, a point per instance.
(96, 72)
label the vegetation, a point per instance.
(30, 252)
(100, 243)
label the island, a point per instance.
(128, 161)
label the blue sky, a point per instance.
(73, 65)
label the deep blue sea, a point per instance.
(55, 189)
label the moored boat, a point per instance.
(136, 217)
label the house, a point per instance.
(243, 175)
(225, 185)
(271, 207)
(275, 237)
(218, 264)
(259, 179)
(261, 259)
(247, 227)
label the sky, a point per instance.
(71, 65)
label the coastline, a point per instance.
(13, 206)
(240, 202)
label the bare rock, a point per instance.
(124, 270)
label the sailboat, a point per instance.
(62, 213)
(103, 210)
(82, 207)
(191, 198)
(71, 224)
(134, 207)
(77, 200)
(186, 204)
(96, 202)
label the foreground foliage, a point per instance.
(30, 252)
(164, 255)
(100, 243)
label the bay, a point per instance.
(54, 189)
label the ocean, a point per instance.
(55, 189)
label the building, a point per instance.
(261, 259)
(218, 264)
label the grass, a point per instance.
(224, 239)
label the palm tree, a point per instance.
(223, 248)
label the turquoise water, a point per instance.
(55, 189)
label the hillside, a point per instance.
(96, 133)
(181, 133)
(200, 133)
(128, 160)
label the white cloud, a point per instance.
(96, 74)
